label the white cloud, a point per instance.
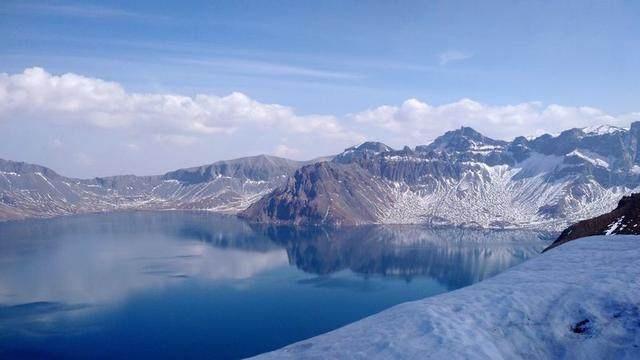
(83, 159)
(285, 151)
(102, 123)
(452, 56)
(182, 120)
(172, 139)
(74, 98)
(419, 122)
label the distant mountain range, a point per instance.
(461, 178)
(226, 186)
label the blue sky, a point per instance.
(337, 59)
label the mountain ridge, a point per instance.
(29, 190)
(467, 179)
(461, 178)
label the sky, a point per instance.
(120, 87)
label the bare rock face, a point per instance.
(623, 220)
(323, 193)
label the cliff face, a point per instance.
(324, 193)
(623, 220)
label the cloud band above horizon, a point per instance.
(132, 126)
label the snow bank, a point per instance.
(578, 301)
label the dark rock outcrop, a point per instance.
(323, 193)
(623, 220)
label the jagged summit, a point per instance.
(364, 150)
(462, 139)
(466, 178)
(602, 130)
(373, 146)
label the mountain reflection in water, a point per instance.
(68, 282)
(454, 256)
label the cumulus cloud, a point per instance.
(100, 124)
(420, 121)
(40, 95)
(285, 151)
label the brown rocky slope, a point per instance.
(623, 220)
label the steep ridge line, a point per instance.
(464, 178)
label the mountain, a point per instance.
(464, 178)
(28, 190)
(623, 220)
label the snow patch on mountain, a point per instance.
(591, 157)
(502, 196)
(614, 226)
(602, 130)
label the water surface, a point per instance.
(197, 285)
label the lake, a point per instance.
(199, 285)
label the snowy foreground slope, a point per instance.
(578, 301)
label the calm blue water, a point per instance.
(194, 285)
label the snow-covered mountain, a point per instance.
(461, 178)
(465, 178)
(227, 186)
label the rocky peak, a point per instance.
(259, 168)
(20, 167)
(463, 139)
(362, 151)
(602, 130)
(373, 146)
(623, 220)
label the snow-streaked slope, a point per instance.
(465, 178)
(578, 301)
(28, 190)
(504, 196)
